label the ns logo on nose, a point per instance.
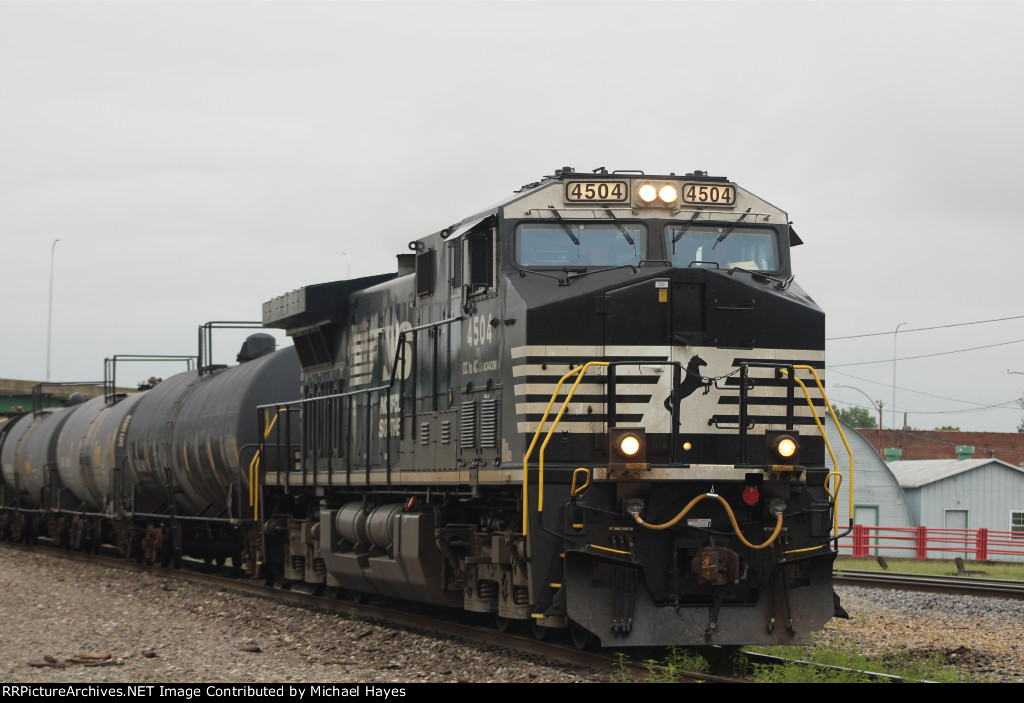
(692, 380)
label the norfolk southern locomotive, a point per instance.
(593, 406)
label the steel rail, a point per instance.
(954, 585)
(379, 610)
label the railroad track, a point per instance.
(637, 667)
(954, 585)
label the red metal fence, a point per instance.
(934, 543)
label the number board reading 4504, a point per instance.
(597, 192)
(705, 194)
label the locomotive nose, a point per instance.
(671, 310)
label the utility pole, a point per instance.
(875, 404)
(894, 373)
(879, 427)
(49, 312)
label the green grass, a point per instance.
(934, 567)
(905, 665)
(620, 670)
(678, 661)
(851, 666)
(800, 673)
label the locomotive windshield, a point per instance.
(748, 248)
(580, 244)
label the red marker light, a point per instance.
(751, 495)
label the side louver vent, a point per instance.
(489, 423)
(467, 425)
(446, 432)
(424, 433)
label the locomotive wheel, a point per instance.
(582, 638)
(503, 624)
(539, 633)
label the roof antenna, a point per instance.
(600, 169)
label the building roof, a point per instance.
(914, 474)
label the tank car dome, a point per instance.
(255, 346)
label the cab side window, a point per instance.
(480, 257)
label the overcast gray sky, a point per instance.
(196, 159)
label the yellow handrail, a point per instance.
(574, 491)
(842, 435)
(254, 465)
(579, 371)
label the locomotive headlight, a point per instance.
(668, 194)
(782, 448)
(647, 193)
(628, 445)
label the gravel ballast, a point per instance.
(981, 637)
(73, 622)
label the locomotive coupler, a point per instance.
(716, 566)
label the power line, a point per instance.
(1008, 405)
(922, 329)
(911, 390)
(924, 356)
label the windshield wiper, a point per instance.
(621, 228)
(679, 235)
(777, 281)
(729, 230)
(565, 226)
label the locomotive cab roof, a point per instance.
(696, 200)
(582, 195)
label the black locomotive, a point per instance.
(593, 406)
